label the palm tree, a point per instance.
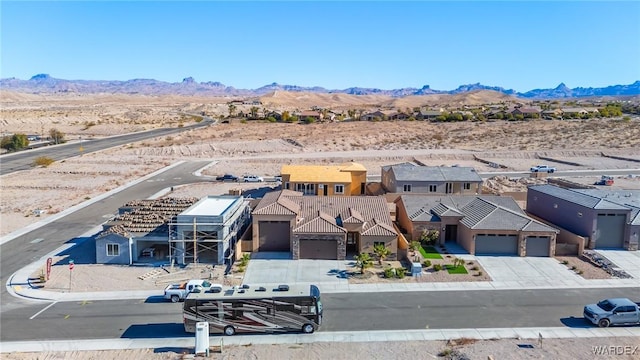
(381, 252)
(232, 110)
(254, 112)
(363, 261)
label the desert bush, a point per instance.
(401, 272)
(565, 262)
(426, 263)
(389, 273)
(43, 161)
(437, 267)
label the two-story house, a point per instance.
(325, 180)
(410, 178)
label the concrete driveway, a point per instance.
(533, 269)
(629, 261)
(278, 268)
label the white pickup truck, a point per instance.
(620, 311)
(543, 168)
(177, 292)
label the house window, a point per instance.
(466, 186)
(286, 185)
(339, 189)
(433, 188)
(406, 188)
(113, 249)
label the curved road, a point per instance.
(32, 246)
(23, 160)
(154, 318)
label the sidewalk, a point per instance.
(333, 337)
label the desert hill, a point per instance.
(303, 100)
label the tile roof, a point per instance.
(435, 173)
(319, 214)
(276, 203)
(588, 200)
(477, 212)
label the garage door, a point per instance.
(496, 245)
(319, 249)
(610, 230)
(538, 245)
(274, 236)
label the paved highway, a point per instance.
(34, 245)
(154, 318)
(23, 160)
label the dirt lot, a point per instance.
(261, 149)
(511, 349)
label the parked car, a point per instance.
(543, 168)
(253, 178)
(227, 177)
(605, 180)
(277, 178)
(178, 292)
(619, 311)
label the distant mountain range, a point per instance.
(43, 83)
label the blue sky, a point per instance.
(334, 44)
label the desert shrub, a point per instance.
(437, 267)
(243, 121)
(271, 119)
(565, 262)
(426, 263)
(479, 273)
(389, 273)
(241, 269)
(43, 161)
(401, 272)
(474, 268)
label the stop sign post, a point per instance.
(70, 272)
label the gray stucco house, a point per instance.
(178, 230)
(608, 218)
(114, 246)
(483, 225)
(410, 178)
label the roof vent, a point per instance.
(283, 287)
(261, 288)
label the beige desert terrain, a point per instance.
(261, 148)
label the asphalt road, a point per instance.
(34, 245)
(23, 160)
(155, 318)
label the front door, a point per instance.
(326, 189)
(451, 233)
(449, 188)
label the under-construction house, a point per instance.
(207, 232)
(139, 233)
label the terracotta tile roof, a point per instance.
(276, 203)
(322, 223)
(319, 214)
(353, 217)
